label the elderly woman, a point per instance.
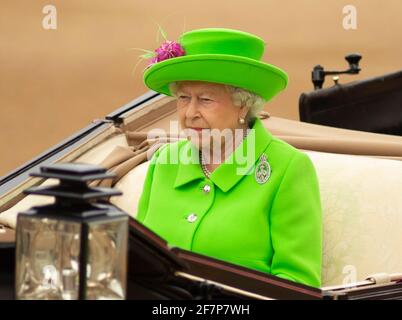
(245, 197)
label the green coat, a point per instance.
(273, 227)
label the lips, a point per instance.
(197, 129)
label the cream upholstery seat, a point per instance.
(131, 185)
(362, 216)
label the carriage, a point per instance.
(353, 134)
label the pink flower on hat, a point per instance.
(168, 49)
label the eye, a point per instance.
(183, 97)
(205, 100)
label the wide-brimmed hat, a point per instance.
(216, 55)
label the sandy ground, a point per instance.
(54, 82)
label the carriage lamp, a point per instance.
(75, 248)
(318, 74)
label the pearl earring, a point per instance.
(241, 121)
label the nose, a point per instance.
(192, 109)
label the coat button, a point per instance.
(207, 188)
(192, 217)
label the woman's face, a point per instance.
(205, 106)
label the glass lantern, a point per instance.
(75, 248)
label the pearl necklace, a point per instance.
(204, 168)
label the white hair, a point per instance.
(240, 97)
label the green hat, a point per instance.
(216, 55)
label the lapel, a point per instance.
(190, 169)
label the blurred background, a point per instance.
(54, 82)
